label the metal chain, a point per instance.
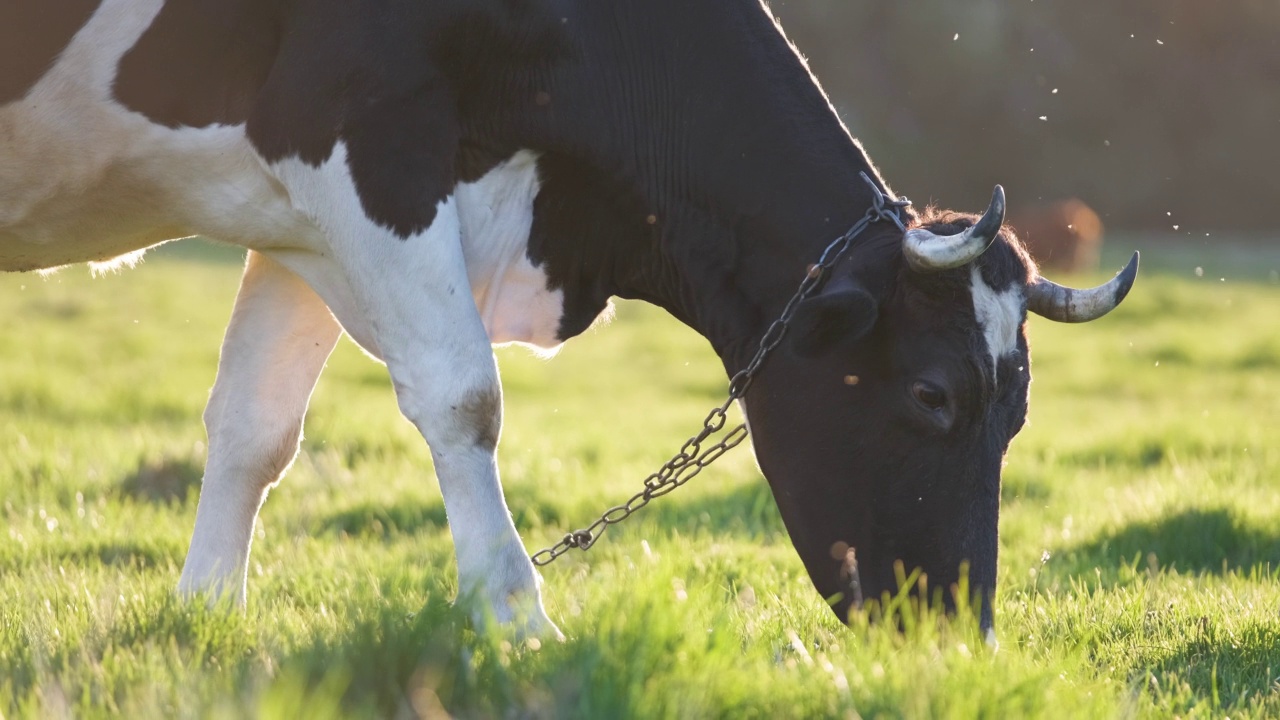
(692, 457)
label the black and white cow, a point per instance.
(435, 176)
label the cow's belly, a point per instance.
(495, 214)
(511, 293)
(99, 182)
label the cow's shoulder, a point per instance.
(389, 80)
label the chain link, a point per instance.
(692, 458)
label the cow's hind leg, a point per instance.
(280, 335)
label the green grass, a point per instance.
(1139, 560)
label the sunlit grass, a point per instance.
(1139, 556)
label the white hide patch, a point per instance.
(496, 215)
(405, 301)
(84, 179)
(999, 314)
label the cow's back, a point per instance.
(84, 177)
(32, 35)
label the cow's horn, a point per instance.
(927, 252)
(1063, 304)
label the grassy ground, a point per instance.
(1140, 533)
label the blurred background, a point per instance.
(1161, 115)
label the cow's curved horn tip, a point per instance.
(988, 226)
(1126, 277)
(997, 197)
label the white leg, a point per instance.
(280, 335)
(415, 301)
(430, 334)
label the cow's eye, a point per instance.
(929, 395)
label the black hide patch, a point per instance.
(587, 229)
(201, 62)
(32, 35)
(307, 74)
(346, 71)
(835, 317)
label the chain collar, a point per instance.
(692, 457)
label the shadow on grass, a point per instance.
(406, 517)
(398, 664)
(1213, 541)
(431, 663)
(118, 406)
(92, 555)
(1232, 666)
(165, 481)
(62, 309)
(367, 520)
(1127, 452)
(746, 511)
(125, 554)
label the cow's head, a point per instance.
(883, 428)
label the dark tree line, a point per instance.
(1155, 112)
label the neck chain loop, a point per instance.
(692, 457)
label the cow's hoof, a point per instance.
(532, 624)
(509, 598)
(213, 592)
(518, 617)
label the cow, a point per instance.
(434, 177)
(1063, 235)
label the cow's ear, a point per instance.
(830, 319)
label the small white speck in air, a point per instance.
(1055, 91)
(1199, 272)
(1175, 227)
(1044, 118)
(1159, 41)
(956, 37)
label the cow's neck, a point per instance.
(729, 275)
(697, 174)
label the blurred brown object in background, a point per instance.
(1061, 235)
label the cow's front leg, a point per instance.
(414, 296)
(280, 335)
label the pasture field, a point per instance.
(1140, 545)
